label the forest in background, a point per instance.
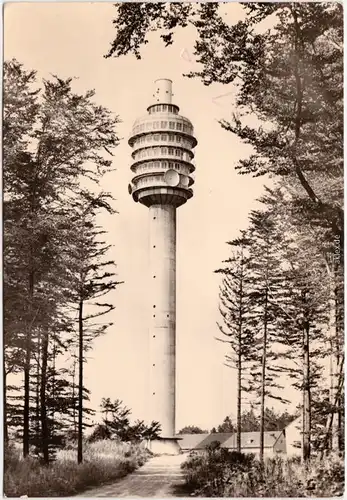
(274, 421)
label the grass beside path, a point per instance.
(220, 473)
(104, 461)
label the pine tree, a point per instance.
(116, 424)
(226, 426)
(234, 306)
(94, 278)
(267, 279)
(249, 421)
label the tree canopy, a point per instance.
(288, 75)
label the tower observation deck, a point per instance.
(162, 163)
(162, 142)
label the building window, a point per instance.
(163, 124)
(171, 151)
(172, 125)
(164, 151)
(171, 164)
(178, 138)
(155, 124)
(164, 107)
(156, 137)
(164, 163)
(159, 107)
(163, 137)
(179, 126)
(156, 164)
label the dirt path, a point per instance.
(160, 477)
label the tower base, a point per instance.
(165, 446)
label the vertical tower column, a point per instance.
(162, 230)
(162, 164)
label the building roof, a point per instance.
(191, 441)
(228, 440)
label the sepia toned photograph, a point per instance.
(173, 250)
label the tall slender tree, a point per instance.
(94, 278)
(267, 279)
(234, 308)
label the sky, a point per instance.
(70, 40)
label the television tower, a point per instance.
(162, 142)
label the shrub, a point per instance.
(209, 474)
(220, 473)
(104, 461)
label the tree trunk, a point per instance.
(239, 360)
(43, 402)
(339, 328)
(53, 388)
(334, 354)
(5, 403)
(74, 401)
(263, 380)
(306, 414)
(330, 420)
(80, 383)
(238, 430)
(27, 362)
(38, 385)
(262, 397)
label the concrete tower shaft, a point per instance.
(162, 238)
